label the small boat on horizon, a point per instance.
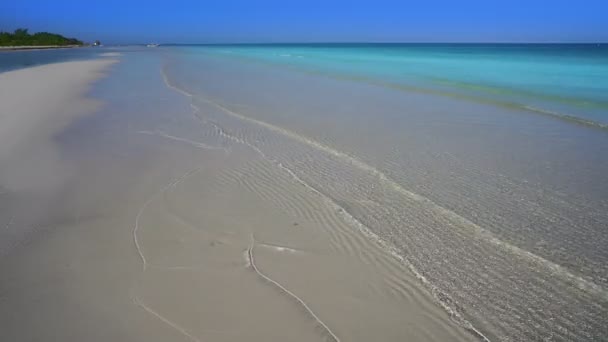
(152, 45)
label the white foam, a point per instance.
(183, 140)
(165, 320)
(472, 228)
(294, 296)
(279, 248)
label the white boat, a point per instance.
(152, 45)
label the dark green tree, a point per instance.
(21, 32)
(21, 37)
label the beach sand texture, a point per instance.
(147, 220)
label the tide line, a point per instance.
(472, 228)
(291, 294)
(142, 256)
(179, 139)
(165, 320)
(476, 230)
(147, 203)
(346, 215)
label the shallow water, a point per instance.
(500, 212)
(170, 227)
(563, 80)
(367, 200)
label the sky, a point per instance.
(250, 21)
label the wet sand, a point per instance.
(500, 213)
(153, 222)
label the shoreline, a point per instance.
(153, 202)
(39, 47)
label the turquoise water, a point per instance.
(439, 150)
(569, 81)
(501, 210)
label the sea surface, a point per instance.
(482, 168)
(565, 80)
(19, 59)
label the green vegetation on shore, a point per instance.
(21, 37)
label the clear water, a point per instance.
(483, 166)
(567, 81)
(500, 209)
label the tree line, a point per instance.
(21, 37)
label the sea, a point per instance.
(482, 167)
(18, 59)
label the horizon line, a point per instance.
(375, 42)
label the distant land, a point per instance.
(22, 39)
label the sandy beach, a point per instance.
(206, 194)
(303, 171)
(127, 218)
(38, 103)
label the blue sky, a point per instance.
(189, 21)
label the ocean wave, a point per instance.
(567, 117)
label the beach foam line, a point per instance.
(136, 228)
(474, 229)
(165, 320)
(291, 294)
(147, 203)
(142, 256)
(279, 248)
(478, 231)
(566, 117)
(438, 294)
(183, 140)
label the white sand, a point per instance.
(181, 236)
(35, 104)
